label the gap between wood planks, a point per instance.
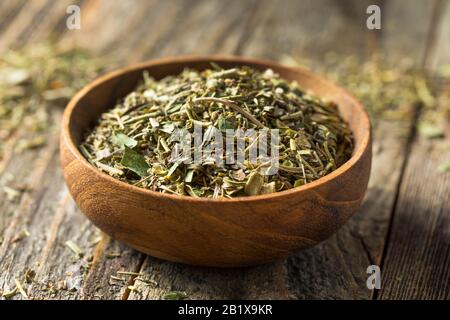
(430, 50)
(407, 150)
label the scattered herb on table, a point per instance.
(389, 91)
(444, 167)
(33, 80)
(175, 295)
(75, 248)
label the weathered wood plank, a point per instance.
(337, 268)
(23, 23)
(45, 205)
(417, 261)
(8, 11)
(105, 23)
(98, 281)
(439, 51)
(18, 250)
(33, 210)
(208, 27)
(405, 28)
(310, 29)
(48, 20)
(59, 271)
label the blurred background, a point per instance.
(49, 49)
(133, 30)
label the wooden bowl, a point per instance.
(213, 232)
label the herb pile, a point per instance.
(132, 141)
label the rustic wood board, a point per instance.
(335, 269)
(417, 261)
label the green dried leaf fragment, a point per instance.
(173, 168)
(175, 295)
(11, 194)
(430, 131)
(168, 128)
(224, 124)
(254, 184)
(134, 161)
(13, 76)
(444, 167)
(268, 188)
(189, 176)
(298, 183)
(75, 248)
(121, 140)
(10, 294)
(194, 192)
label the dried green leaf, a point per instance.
(10, 294)
(20, 288)
(189, 176)
(134, 161)
(75, 248)
(14, 76)
(175, 295)
(430, 131)
(268, 188)
(11, 194)
(173, 168)
(223, 124)
(298, 183)
(444, 167)
(254, 184)
(121, 140)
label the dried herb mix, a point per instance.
(133, 141)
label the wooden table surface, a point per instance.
(403, 225)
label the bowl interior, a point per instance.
(103, 93)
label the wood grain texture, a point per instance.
(406, 29)
(292, 28)
(47, 255)
(417, 261)
(22, 25)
